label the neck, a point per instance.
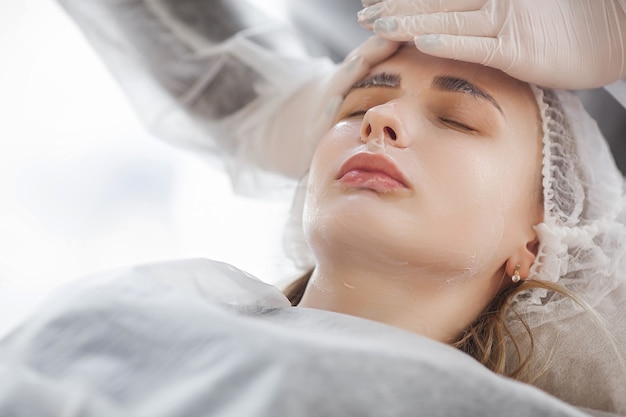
(419, 300)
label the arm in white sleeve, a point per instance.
(218, 76)
(191, 68)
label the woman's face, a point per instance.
(433, 164)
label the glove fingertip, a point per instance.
(390, 28)
(348, 73)
(354, 65)
(429, 43)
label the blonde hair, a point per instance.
(486, 339)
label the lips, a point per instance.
(373, 171)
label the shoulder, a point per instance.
(156, 289)
(202, 279)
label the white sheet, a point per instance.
(200, 338)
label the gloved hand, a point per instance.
(304, 116)
(571, 44)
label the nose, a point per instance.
(381, 125)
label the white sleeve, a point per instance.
(202, 74)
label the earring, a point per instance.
(516, 277)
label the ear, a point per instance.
(524, 256)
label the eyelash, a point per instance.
(456, 124)
(355, 114)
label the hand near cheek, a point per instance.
(329, 92)
(310, 111)
(553, 43)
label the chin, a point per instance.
(359, 228)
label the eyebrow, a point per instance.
(461, 85)
(380, 79)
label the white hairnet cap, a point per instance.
(582, 248)
(583, 236)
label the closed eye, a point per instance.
(455, 124)
(356, 113)
(347, 114)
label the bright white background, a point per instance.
(84, 188)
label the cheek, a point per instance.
(339, 138)
(330, 153)
(330, 150)
(484, 196)
(466, 190)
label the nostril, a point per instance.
(391, 133)
(368, 130)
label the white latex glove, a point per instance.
(572, 44)
(304, 116)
